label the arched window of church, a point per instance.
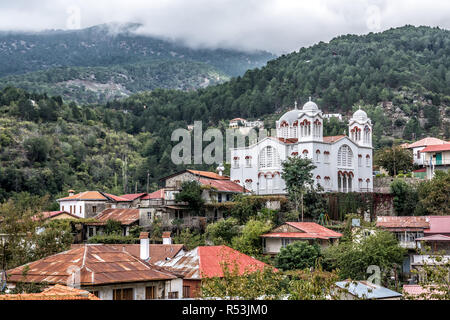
(367, 161)
(269, 157)
(345, 156)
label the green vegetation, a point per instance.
(191, 192)
(298, 255)
(395, 160)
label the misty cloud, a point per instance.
(274, 25)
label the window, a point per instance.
(285, 242)
(173, 295)
(318, 155)
(345, 156)
(269, 157)
(359, 160)
(228, 197)
(149, 215)
(80, 209)
(91, 232)
(123, 294)
(94, 209)
(326, 156)
(236, 162)
(187, 292)
(248, 185)
(248, 162)
(219, 197)
(150, 293)
(368, 161)
(418, 154)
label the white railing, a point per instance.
(429, 259)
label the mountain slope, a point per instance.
(105, 51)
(400, 77)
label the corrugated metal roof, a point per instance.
(435, 237)
(405, 222)
(98, 265)
(208, 174)
(367, 290)
(207, 262)
(223, 185)
(124, 216)
(52, 214)
(133, 196)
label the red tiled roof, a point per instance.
(223, 185)
(116, 198)
(438, 225)
(315, 229)
(429, 141)
(124, 216)
(48, 215)
(293, 235)
(436, 148)
(406, 222)
(208, 262)
(133, 196)
(332, 139)
(424, 292)
(87, 195)
(155, 195)
(207, 174)
(98, 265)
(288, 140)
(57, 292)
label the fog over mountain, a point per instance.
(274, 25)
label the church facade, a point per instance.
(343, 163)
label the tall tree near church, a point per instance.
(298, 175)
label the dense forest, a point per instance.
(400, 77)
(108, 61)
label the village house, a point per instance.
(108, 272)
(54, 215)
(209, 262)
(126, 217)
(418, 146)
(290, 232)
(90, 203)
(436, 158)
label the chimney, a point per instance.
(71, 193)
(144, 246)
(167, 237)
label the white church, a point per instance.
(344, 163)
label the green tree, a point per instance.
(249, 242)
(190, 239)
(222, 231)
(352, 258)
(191, 192)
(298, 255)
(113, 227)
(405, 197)
(434, 195)
(395, 160)
(298, 175)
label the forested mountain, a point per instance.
(400, 77)
(93, 64)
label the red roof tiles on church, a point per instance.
(332, 139)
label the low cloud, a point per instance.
(274, 25)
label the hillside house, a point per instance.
(436, 158)
(90, 203)
(418, 146)
(208, 262)
(290, 232)
(108, 272)
(127, 218)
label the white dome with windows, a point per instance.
(310, 106)
(290, 116)
(360, 115)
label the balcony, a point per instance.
(429, 259)
(407, 244)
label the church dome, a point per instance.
(310, 106)
(360, 115)
(290, 116)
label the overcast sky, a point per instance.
(273, 25)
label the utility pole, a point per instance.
(148, 178)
